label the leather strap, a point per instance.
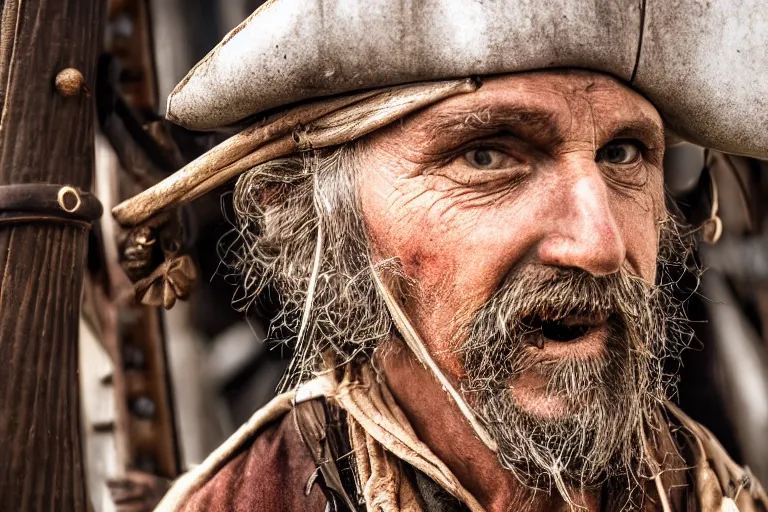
(320, 430)
(44, 202)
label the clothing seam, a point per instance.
(643, 7)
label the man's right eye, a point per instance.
(488, 159)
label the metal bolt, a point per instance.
(69, 82)
(144, 408)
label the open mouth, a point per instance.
(571, 327)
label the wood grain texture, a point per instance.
(45, 138)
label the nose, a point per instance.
(583, 231)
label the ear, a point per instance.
(270, 196)
(252, 195)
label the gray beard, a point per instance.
(607, 397)
(275, 246)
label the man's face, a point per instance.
(532, 174)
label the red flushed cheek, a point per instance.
(429, 266)
(410, 242)
(413, 264)
(421, 258)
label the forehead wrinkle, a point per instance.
(594, 124)
(632, 120)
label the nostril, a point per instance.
(597, 254)
(582, 230)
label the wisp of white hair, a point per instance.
(299, 232)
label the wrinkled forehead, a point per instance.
(559, 102)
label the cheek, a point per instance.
(446, 249)
(638, 220)
(456, 256)
(400, 225)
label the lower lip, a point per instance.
(529, 389)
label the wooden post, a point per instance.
(45, 137)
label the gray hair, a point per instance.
(299, 231)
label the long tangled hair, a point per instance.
(299, 232)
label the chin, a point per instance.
(538, 393)
(536, 403)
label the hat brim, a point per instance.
(703, 65)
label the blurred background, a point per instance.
(161, 389)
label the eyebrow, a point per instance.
(642, 128)
(492, 119)
(536, 124)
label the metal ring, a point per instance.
(62, 195)
(47, 202)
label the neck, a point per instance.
(439, 423)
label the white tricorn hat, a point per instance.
(702, 63)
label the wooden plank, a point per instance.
(44, 137)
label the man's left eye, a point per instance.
(619, 153)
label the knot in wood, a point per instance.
(69, 82)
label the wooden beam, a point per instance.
(45, 137)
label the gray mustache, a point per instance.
(537, 294)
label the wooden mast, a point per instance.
(46, 136)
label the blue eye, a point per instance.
(619, 153)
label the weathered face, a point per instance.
(530, 174)
(550, 168)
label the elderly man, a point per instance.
(478, 274)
